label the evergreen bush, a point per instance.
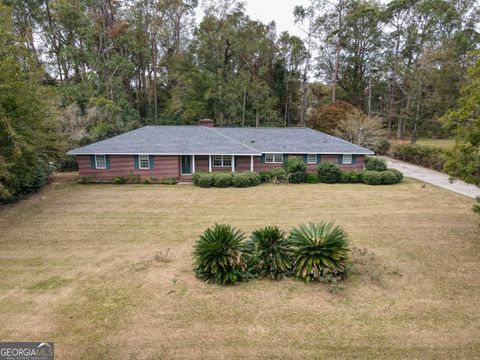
(328, 173)
(375, 164)
(296, 170)
(222, 179)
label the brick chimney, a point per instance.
(206, 122)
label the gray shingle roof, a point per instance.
(291, 140)
(200, 140)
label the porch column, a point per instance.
(209, 163)
(233, 163)
(251, 163)
(193, 164)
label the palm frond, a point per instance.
(320, 249)
(219, 255)
(271, 255)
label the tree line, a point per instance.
(77, 71)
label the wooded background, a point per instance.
(77, 71)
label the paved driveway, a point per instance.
(433, 177)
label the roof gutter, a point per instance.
(71, 152)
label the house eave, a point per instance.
(157, 154)
(235, 154)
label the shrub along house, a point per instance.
(180, 151)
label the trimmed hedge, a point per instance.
(265, 177)
(372, 177)
(254, 178)
(241, 180)
(205, 180)
(296, 170)
(221, 179)
(428, 156)
(356, 177)
(196, 176)
(386, 177)
(224, 179)
(311, 178)
(278, 175)
(246, 179)
(375, 164)
(328, 173)
(397, 173)
(345, 177)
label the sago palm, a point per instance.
(319, 250)
(271, 255)
(219, 255)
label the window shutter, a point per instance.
(319, 158)
(135, 161)
(305, 158)
(234, 163)
(107, 161)
(285, 158)
(92, 162)
(263, 159)
(339, 159)
(150, 161)
(354, 159)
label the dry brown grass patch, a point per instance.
(86, 266)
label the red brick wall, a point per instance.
(311, 168)
(359, 163)
(169, 165)
(201, 164)
(258, 166)
(242, 164)
(123, 165)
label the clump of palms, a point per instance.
(220, 255)
(320, 250)
(271, 255)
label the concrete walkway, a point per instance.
(433, 177)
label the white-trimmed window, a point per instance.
(100, 162)
(222, 160)
(311, 158)
(347, 159)
(274, 158)
(143, 162)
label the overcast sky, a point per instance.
(280, 11)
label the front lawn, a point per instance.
(105, 271)
(441, 143)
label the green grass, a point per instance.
(55, 282)
(442, 143)
(106, 270)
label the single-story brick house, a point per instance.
(180, 151)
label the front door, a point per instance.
(186, 164)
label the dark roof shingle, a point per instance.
(200, 140)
